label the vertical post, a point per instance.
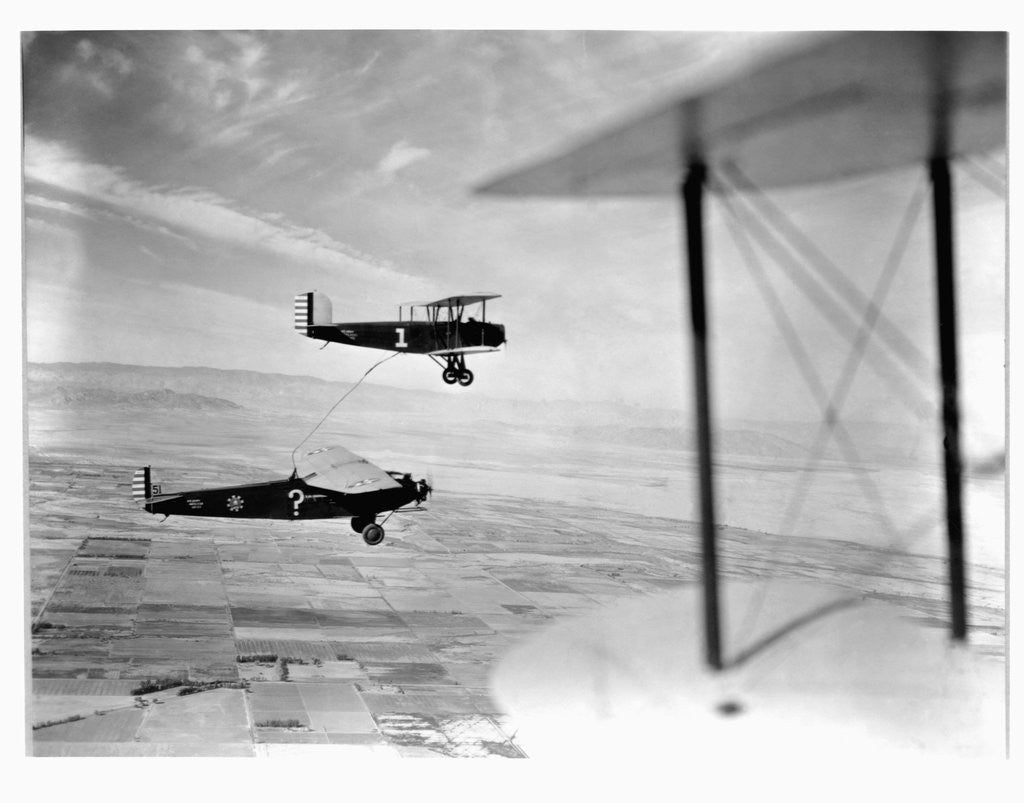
(942, 199)
(693, 198)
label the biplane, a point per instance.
(826, 108)
(329, 482)
(434, 328)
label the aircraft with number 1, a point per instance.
(441, 332)
(326, 483)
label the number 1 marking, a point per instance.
(401, 344)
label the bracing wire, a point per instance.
(339, 401)
(831, 404)
(813, 286)
(848, 292)
(814, 383)
(986, 177)
(856, 355)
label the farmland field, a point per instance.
(295, 634)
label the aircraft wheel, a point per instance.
(450, 376)
(373, 534)
(359, 524)
(466, 378)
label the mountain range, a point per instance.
(98, 386)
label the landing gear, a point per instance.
(373, 534)
(456, 371)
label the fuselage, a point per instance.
(284, 499)
(415, 337)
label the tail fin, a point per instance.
(311, 309)
(142, 488)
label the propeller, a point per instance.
(424, 488)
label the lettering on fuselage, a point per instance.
(401, 344)
(195, 504)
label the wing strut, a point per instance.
(945, 296)
(942, 199)
(693, 209)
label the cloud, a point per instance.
(95, 214)
(231, 87)
(280, 153)
(195, 211)
(44, 226)
(207, 76)
(58, 206)
(366, 67)
(401, 155)
(99, 68)
(85, 49)
(243, 91)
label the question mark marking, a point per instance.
(299, 498)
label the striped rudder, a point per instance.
(311, 309)
(141, 487)
(303, 310)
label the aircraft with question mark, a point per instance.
(329, 482)
(440, 332)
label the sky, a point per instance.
(180, 187)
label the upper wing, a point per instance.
(336, 469)
(837, 106)
(454, 301)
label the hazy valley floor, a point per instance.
(304, 635)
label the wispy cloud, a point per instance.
(44, 226)
(97, 67)
(212, 78)
(401, 155)
(37, 202)
(148, 252)
(366, 67)
(40, 202)
(279, 154)
(195, 211)
(227, 80)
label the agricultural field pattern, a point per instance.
(218, 637)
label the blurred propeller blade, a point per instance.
(424, 488)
